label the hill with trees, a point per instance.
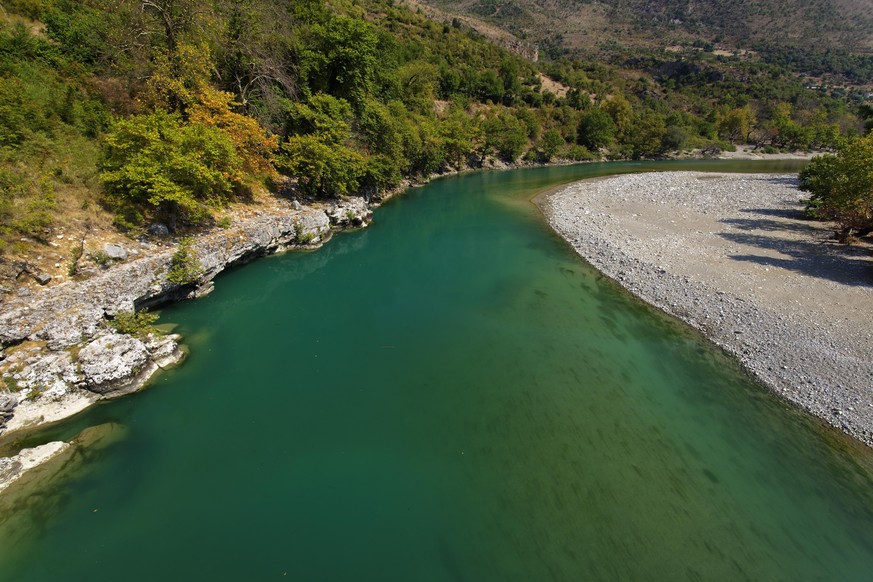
(585, 24)
(813, 37)
(118, 113)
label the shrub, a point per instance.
(322, 168)
(157, 160)
(185, 267)
(578, 153)
(842, 187)
(100, 257)
(138, 324)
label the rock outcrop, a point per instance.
(59, 353)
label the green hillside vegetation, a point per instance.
(170, 109)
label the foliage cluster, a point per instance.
(135, 323)
(841, 187)
(185, 266)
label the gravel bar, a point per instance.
(731, 255)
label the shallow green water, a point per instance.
(449, 395)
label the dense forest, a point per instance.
(166, 110)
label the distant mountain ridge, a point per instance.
(588, 25)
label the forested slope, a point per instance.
(132, 111)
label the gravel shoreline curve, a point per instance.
(731, 255)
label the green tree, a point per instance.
(841, 187)
(322, 158)
(619, 108)
(511, 83)
(323, 115)
(736, 124)
(505, 135)
(460, 135)
(676, 138)
(158, 161)
(787, 133)
(417, 83)
(341, 59)
(550, 143)
(489, 87)
(322, 168)
(646, 136)
(596, 129)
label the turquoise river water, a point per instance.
(448, 395)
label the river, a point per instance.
(449, 395)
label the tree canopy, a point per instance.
(841, 187)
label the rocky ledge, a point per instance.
(59, 355)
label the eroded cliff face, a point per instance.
(60, 355)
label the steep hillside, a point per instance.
(592, 27)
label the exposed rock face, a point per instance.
(115, 252)
(111, 358)
(8, 402)
(349, 213)
(58, 347)
(158, 229)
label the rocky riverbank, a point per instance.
(731, 255)
(60, 355)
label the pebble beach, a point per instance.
(733, 256)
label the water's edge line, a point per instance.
(680, 311)
(286, 235)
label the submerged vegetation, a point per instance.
(169, 109)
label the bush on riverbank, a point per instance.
(842, 188)
(137, 324)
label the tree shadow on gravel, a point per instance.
(791, 211)
(769, 225)
(789, 180)
(847, 265)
